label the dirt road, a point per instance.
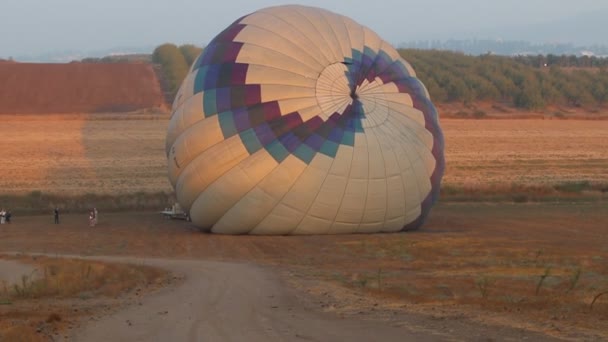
(230, 302)
(326, 288)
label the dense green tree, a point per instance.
(190, 52)
(530, 82)
(173, 66)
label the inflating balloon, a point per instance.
(297, 120)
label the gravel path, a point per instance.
(229, 302)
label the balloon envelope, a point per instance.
(297, 120)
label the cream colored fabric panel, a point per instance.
(325, 31)
(310, 112)
(387, 143)
(355, 34)
(271, 22)
(341, 164)
(275, 185)
(280, 221)
(339, 30)
(333, 79)
(293, 105)
(382, 200)
(185, 90)
(394, 225)
(352, 206)
(401, 154)
(186, 115)
(413, 129)
(390, 51)
(397, 99)
(331, 193)
(423, 178)
(376, 163)
(194, 141)
(413, 149)
(302, 24)
(273, 40)
(377, 112)
(374, 87)
(255, 206)
(282, 178)
(372, 40)
(304, 191)
(245, 214)
(257, 55)
(375, 207)
(313, 225)
(208, 167)
(412, 214)
(261, 74)
(413, 198)
(172, 132)
(419, 144)
(332, 90)
(360, 165)
(331, 105)
(408, 112)
(227, 190)
(383, 88)
(396, 197)
(273, 92)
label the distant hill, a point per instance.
(585, 29)
(579, 34)
(32, 88)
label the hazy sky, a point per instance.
(29, 27)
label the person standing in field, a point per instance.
(95, 216)
(92, 218)
(56, 212)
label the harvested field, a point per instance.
(117, 154)
(526, 152)
(79, 154)
(37, 88)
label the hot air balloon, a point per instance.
(298, 120)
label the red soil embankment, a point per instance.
(33, 88)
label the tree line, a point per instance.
(523, 81)
(174, 64)
(528, 82)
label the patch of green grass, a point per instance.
(542, 279)
(37, 202)
(483, 284)
(573, 187)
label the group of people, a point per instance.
(5, 216)
(93, 215)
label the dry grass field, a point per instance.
(61, 291)
(78, 154)
(118, 154)
(526, 151)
